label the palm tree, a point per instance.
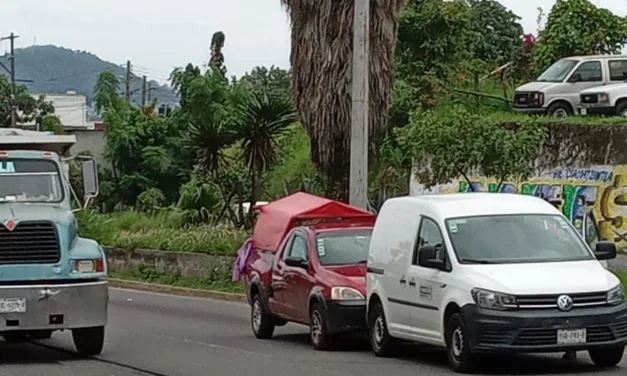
(321, 59)
(263, 120)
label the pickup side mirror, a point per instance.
(296, 262)
(576, 77)
(605, 250)
(427, 257)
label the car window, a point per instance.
(298, 248)
(590, 71)
(429, 234)
(343, 247)
(618, 70)
(592, 235)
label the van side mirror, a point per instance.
(576, 77)
(605, 250)
(90, 180)
(296, 262)
(427, 257)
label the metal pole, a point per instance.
(143, 91)
(127, 89)
(360, 106)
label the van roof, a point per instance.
(597, 57)
(474, 204)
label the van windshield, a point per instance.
(343, 247)
(518, 238)
(558, 71)
(29, 180)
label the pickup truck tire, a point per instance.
(380, 340)
(607, 357)
(319, 334)
(261, 321)
(621, 108)
(559, 110)
(89, 341)
(458, 346)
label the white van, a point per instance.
(556, 91)
(608, 100)
(484, 272)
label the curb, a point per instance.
(173, 290)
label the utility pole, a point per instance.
(12, 38)
(127, 82)
(150, 89)
(360, 106)
(143, 91)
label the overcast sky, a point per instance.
(158, 35)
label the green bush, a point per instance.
(163, 231)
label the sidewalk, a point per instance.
(620, 262)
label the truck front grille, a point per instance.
(589, 98)
(33, 242)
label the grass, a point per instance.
(513, 117)
(215, 280)
(163, 231)
(622, 275)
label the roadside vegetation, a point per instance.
(178, 181)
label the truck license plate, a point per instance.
(12, 305)
(571, 337)
(583, 111)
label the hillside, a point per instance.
(57, 70)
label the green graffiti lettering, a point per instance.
(463, 186)
(568, 193)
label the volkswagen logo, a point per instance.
(564, 303)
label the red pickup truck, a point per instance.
(308, 266)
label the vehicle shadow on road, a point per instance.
(506, 364)
(343, 343)
(28, 353)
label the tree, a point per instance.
(458, 143)
(217, 58)
(321, 77)
(106, 92)
(577, 27)
(273, 81)
(29, 108)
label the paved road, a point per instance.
(178, 336)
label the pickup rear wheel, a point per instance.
(260, 319)
(89, 341)
(621, 108)
(319, 334)
(458, 346)
(380, 340)
(607, 357)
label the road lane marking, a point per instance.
(120, 289)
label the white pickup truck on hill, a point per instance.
(604, 100)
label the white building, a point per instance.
(71, 108)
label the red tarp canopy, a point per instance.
(277, 218)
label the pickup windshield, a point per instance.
(558, 71)
(343, 247)
(519, 238)
(29, 180)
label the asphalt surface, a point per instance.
(154, 334)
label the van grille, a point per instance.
(29, 243)
(589, 98)
(550, 301)
(522, 99)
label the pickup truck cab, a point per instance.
(308, 266)
(556, 91)
(487, 273)
(608, 100)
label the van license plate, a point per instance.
(571, 337)
(583, 111)
(12, 305)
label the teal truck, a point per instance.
(50, 278)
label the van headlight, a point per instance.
(616, 295)
(345, 293)
(493, 300)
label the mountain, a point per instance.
(56, 70)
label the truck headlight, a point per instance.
(345, 293)
(604, 97)
(616, 295)
(493, 300)
(88, 266)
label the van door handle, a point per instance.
(403, 281)
(412, 283)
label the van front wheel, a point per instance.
(458, 346)
(380, 340)
(607, 357)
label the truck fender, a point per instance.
(254, 283)
(316, 296)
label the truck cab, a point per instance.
(610, 100)
(50, 278)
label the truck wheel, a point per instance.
(319, 334)
(380, 340)
(621, 108)
(607, 357)
(89, 341)
(260, 319)
(559, 110)
(15, 337)
(458, 346)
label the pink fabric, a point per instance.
(242, 258)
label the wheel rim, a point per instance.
(457, 342)
(316, 327)
(560, 113)
(256, 315)
(378, 330)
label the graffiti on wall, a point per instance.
(599, 191)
